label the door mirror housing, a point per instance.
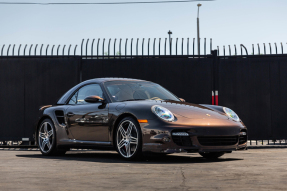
(182, 100)
(94, 99)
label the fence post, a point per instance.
(214, 91)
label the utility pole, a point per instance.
(198, 38)
(169, 33)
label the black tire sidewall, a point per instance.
(138, 152)
(212, 155)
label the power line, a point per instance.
(111, 3)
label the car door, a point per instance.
(88, 121)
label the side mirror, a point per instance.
(94, 99)
(182, 100)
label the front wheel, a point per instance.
(128, 138)
(212, 155)
(47, 139)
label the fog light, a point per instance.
(242, 133)
(180, 134)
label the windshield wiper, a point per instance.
(132, 100)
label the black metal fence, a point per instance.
(112, 48)
(252, 85)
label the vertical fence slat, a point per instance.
(204, 46)
(143, 47)
(81, 48)
(69, 50)
(109, 48)
(63, 51)
(126, 48)
(159, 46)
(115, 41)
(137, 48)
(92, 48)
(41, 49)
(35, 50)
(98, 44)
(75, 49)
(103, 51)
(8, 49)
(87, 48)
(25, 50)
(154, 46)
(132, 47)
(13, 50)
(176, 46)
(19, 49)
(148, 47)
(187, 46)
(165, 47)
(2, 49)
(52, 50)
(57, 50)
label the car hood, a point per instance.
(187, 110)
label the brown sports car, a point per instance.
(135, 116)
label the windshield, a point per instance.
(137, 90)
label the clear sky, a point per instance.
(227, 22)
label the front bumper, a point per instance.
(159, 139)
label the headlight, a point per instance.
(162, 113)
(230, 113)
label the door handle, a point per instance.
(70, 114)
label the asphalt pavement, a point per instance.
(254, 169)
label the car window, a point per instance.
(134, 90)
(88, 90)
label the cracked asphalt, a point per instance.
(255, 169)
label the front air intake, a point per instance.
(181, 138)
(217, 140)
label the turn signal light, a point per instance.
(142, 120)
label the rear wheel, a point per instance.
(212, 155)
(128, 138)
(47, 139)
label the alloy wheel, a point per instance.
(46, 137)
(127, 139)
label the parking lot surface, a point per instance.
(256, 169)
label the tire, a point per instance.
(47, 139)
(212, 155)
(128, 139)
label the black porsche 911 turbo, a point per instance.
(136, 116)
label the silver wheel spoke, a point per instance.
(123, 132)
(129, 129)
(133, 140)
(46, 128)
(49, 144)
(128, 150)
(50, 133)
(121, 144)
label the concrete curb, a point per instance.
(267, 147)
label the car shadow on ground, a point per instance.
(116, 158)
